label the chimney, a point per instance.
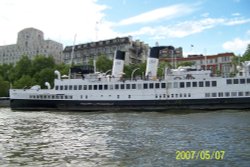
(118, 64)
(152, 63)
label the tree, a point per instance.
(23, 67)
(187, 63)
(246, 55)
(103, 63)
(45, 75)
(41, 62)
(24, 81)
(4, 88)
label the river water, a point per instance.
(124, 139)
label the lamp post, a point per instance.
(134, 72)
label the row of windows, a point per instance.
(51, 97)
(227, 94)
(111, 87)
(238, 81)
(138, 86)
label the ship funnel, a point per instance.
(152, 63)
(118, 64)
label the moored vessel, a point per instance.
(182, 88)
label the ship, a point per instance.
(184, 88)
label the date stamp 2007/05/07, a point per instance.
(200, 155)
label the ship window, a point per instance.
(127, 86)
(176, 95)
(164, 95)
(220, 94)
(118, 96)
(247, 93)
(188, 84)
(233, 93)
(242, 81)
(185, 95)
(236, 81)
(214, 94)
(80, 87)
(70, 87)
(214, 83)
(133, 86)
(145, 86)
(95, 87)
(129, 96)
(111, 87)
(201, 84)
(157, 85)
(240, 93)
(100, 87)
(156, 96)
(90, 87)
(194, 84)
(163, 85)
(180, 95)
(182, 84)
(86, 97)
(66, 97)
(229, 81)
(122, 86)
(85, 87)
(151, 85)
(227, 94)
(207, 83)
(53, 97)
(189, 94)
(116, 86)
(248, 80)
(75, 87)
(61, 87)
(172, 95)
(65, 87)
(105, 87)
(56, 87)
(207, 94)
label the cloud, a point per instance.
(168, 12)
(236, 45)
(236, 14)
(59, 19)
(185, 28)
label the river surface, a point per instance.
(125, 139)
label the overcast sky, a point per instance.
(210, 26)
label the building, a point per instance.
(220, 63)
(136, 51)
(170, 51)
(30, 42)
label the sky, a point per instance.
(198, 26)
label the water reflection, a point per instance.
(121, 139)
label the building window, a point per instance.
(182, 85)
(194, 84)
(214, 83)
(163, 85)
(229, 81)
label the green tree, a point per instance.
(45, 75)
(103, 63)
(41, 62)
(23, 82)
(23, 67)
(246, 55)
(187, 63)
(4, 88)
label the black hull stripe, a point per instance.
(75, 105)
